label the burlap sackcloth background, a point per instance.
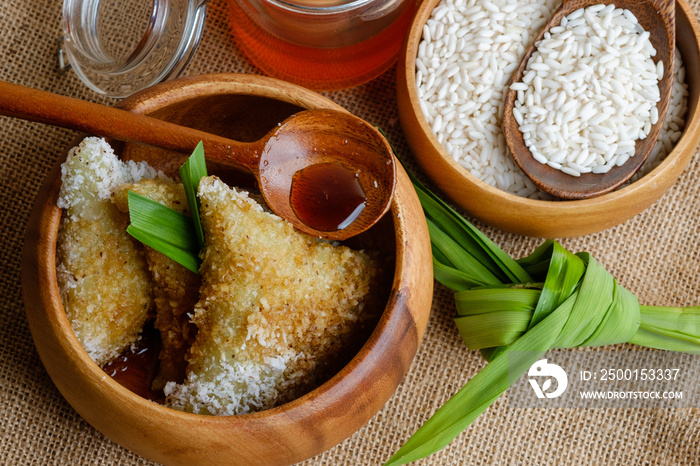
(655, 255)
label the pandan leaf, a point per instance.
(193, 170)
(163, 229)
(515, 311)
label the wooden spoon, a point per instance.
(655, 16)
(329, 173)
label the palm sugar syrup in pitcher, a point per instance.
(321, 44)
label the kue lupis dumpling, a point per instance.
(102, 277)
(275, 307)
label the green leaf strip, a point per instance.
(469, 239)
(669, 328)
(483, 389)
(193, 170)
(163, 229)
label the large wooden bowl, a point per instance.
(539, 217)
(244, 107)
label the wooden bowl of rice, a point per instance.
(236, 106)
(449, 103)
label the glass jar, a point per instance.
(118, 47)
(321, 44)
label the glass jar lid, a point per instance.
(118, 47)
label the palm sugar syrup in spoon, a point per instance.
(328, 138)
(327, 196)
(655, 16)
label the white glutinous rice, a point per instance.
(673, 124)
(486, 45)
(611, 87)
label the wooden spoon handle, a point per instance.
(66, 112)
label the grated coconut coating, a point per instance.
(175, 288)
(272, 315)
(276, 307)
(103, 280)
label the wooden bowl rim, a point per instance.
(659, 179)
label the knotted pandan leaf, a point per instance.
(516, 310)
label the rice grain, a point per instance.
(515, 25)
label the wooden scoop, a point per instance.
(655, 16)
(329, 173)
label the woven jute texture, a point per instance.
(656, 255)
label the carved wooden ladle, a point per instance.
(329, 173)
